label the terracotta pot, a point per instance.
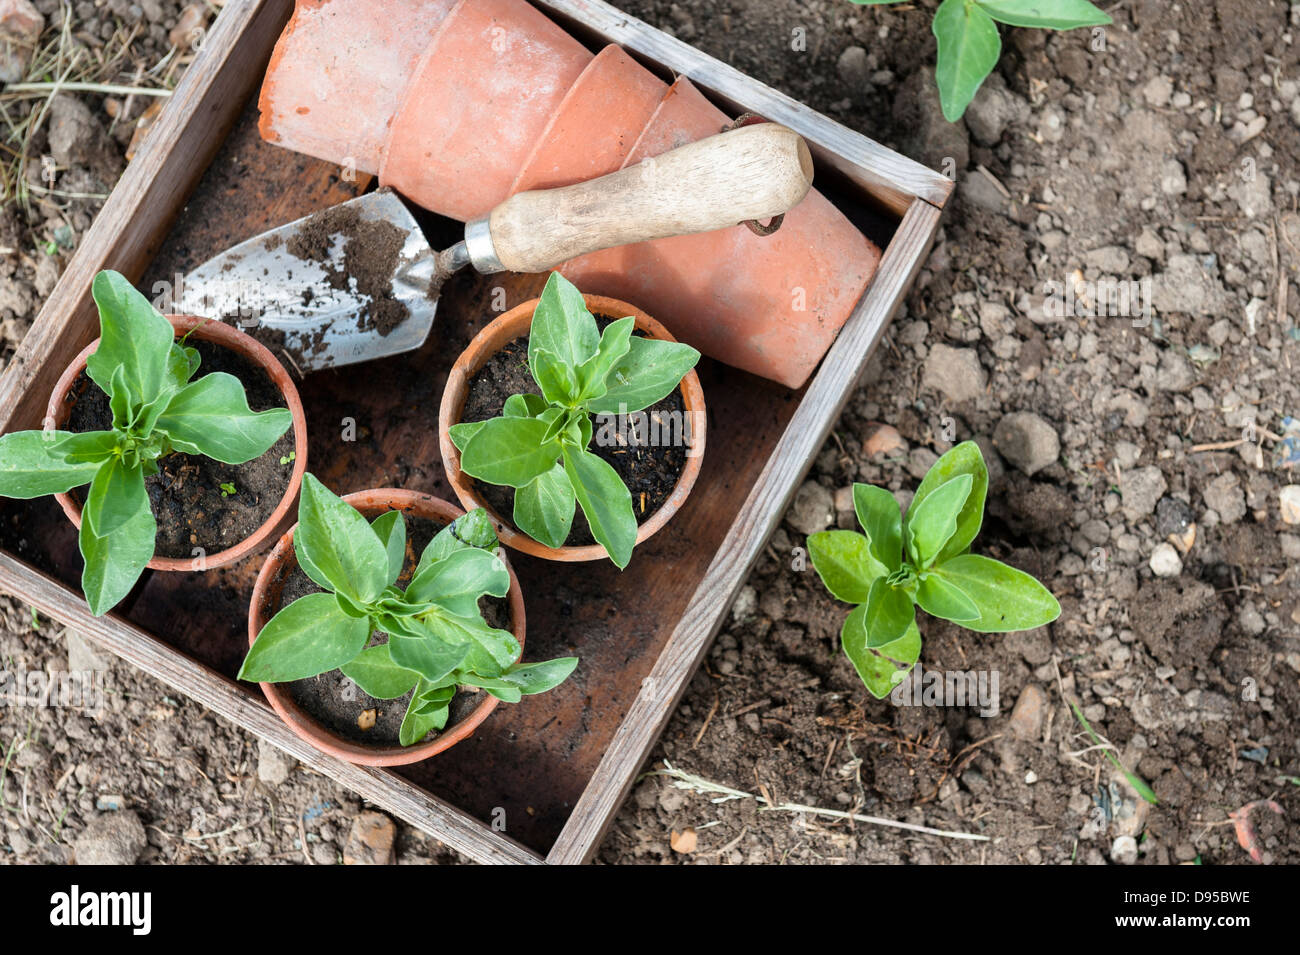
(596, 124)
(337, 75)
(266, 598)
(477, 104)
(771, 305)
(253, 351)
(516, 324)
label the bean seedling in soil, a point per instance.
(436, 636)
(922, 560)
(157, 409)
(970, 44)
(540, 444)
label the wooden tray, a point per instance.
(540, 781)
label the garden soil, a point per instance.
(1162, 151)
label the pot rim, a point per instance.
(518, 320)
(229, 337)
(310, 729)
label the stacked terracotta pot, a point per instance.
(459, 105)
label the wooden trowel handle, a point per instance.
(754, 172)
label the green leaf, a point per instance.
(459, 580)
(539, 677)
(1007, 599)
(1047, 14)
(964, 458)
(524, 406)
(133, 335)
(490, 651)
(559, 382)
(879, 668)
(116, 497)
(416, 725)
(614, 344)
(310, 636)
(562, 325)
(336, 547)
(211, 416)
(544, 509)
(1137, 782)
(473, 529)
(889, 613)
(882, 520)
(121, 402)
(931, 525)
(969, 46)
(30, 468)
(375, 672)
(502, 689)
(649, 372)
(430, 656)
(844, 562)
(509, 451)
(941, 598)
(390, 528)
(433, 698)
(84, 447)
(461, 433)
(113, 564)
(606, 502)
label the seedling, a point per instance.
(288, 458)
(157, 409)
(923, 560)
(539, 445)
(969, 42)
(228, 489)
(437, 637)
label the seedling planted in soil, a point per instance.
(539, 445)
(923, 560)
(969, 42)
(157, 410)
(437, 637)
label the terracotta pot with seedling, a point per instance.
(183, 473)
(386, 626)
(922, 560)
(546, 413)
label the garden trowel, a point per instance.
(359, 281)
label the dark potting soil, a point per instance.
(650, 470)
(186, 494)
(337, 702)
(371, 250)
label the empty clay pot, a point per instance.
(256, 353)
(479, 99)
(337, 75)
(596, 124)
(771, 305)
(515, 324)
(266, 603)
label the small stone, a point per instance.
(1141, 489)
(1026, 441)
(273, 764)
(813, 509)
(1289, 502)
(883, 440)
(992, 110)
(1165, 561)
(83, 655)
(20, 30)
(746, 604)
(1224, 495)
(956, 372)
(854, 69)
(1157, 91)
(1187, 285)
(1027, 716)
(1124, 850)
(114, 838)
(188, 32)
(371, 840)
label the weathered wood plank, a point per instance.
(891, 178)
(762, 512)
(228, 699)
